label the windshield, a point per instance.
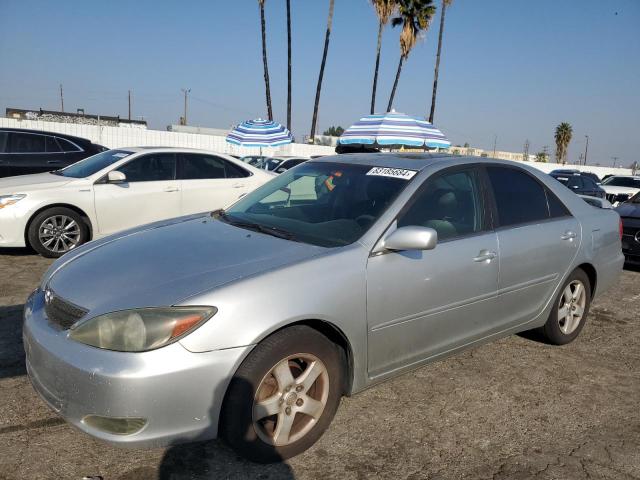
(272, 163)
(563, 180)
(321, 203)
(93, 164)
(622, 182)
(635, 198)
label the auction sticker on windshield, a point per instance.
(392, 172)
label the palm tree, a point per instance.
(445, 4)
(384, 9)
(415, 17)
(289, 64)
(322, 64)
(264, 60)
(563, 137)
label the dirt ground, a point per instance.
(513, 409)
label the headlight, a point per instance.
(141, 329)
(6, 200)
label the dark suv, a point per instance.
(33, 151)
(580, 183)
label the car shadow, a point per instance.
(17, 252)
(632, 267)
(11, 349)
(213, 459)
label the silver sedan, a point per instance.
(252, 323)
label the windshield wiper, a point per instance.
(257, 227)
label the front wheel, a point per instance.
(284, 395)
(569, 314)
(55, 231)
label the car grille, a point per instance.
(61, 312)
(617, 197)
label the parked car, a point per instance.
(180, 331)
(55, 212)
(630, 214)
(283, 163)
(619, 188)
(579, 183)
(591, 175)
(32, 151)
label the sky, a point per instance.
(511, 70)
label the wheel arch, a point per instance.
(592, 274)
(79, 211)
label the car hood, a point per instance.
(163, 264)
(612, 189)
(629, 210)
(36, 181)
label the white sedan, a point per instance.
(55, 212)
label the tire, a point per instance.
(55, 231)
(561, 330)
(259, 388)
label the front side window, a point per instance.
(322, 203)
(153, 167)
(27, 143)
(450, 203)
(519, 197)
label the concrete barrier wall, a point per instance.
(117, 137)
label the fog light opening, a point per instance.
(115, 425)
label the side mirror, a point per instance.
(114, 176)
(412, 238)
(281, 170)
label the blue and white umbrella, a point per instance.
(393, 128)
(259, 133)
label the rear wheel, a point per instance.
(284, 395)
(55, 231)
(569, 314)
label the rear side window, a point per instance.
(52, 145)
(200, 167)
(556, 207)
(27, 143)
(519, 197)
(67, 146)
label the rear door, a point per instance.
(538, 239)
(209, 182)
(33, 153)
(151, 193)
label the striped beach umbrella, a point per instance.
(391, 129)
(259, 133)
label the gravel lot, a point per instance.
(514, 409)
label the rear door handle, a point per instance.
(239, 185)
(485, 255)
(171, 189)
(53, 162)
(568, 235)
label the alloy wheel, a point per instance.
(571, 307)
(290, 399)
(59, 233)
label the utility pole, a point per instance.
(525, 152)
(545, 151)
(186, 93)
(61, 99)
(495, 142)
(586, 149)
(129, 104)
(615, 159)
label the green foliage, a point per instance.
(414, 16)
(564, 131)
(334, 131)
(542, 157)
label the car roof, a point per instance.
(410, 161)
(45, 132)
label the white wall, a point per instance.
(116, 137)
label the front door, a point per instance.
(423, 303)
(150, 193)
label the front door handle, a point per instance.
(171, 189)
(568, 235)
(485, 256)
(239, 185)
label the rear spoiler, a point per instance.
(597, 202)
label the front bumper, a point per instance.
(13, 222)
(178, 392)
